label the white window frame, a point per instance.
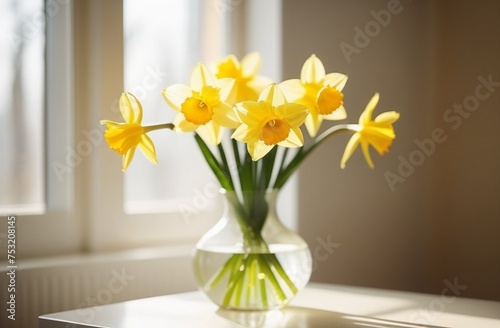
(85, 211)
(58, 230)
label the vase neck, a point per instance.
(252, 210)
(251, 204)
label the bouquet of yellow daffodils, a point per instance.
(266, 117)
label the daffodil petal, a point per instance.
(226, 88)
(259, 83)
(201, 76)
(130, 108)
(349, 149)
(293, 113)
(210, 132)
(110, 124)
(127, 158)
(148, 148)
(246, 133)
(175, 95)
(241, 133)
(292, 89)
(226, 116)
(182, 125)
(295, 139)
(312, 71)
(387, 117)
(253, 113)
(242, 109)
(338, 114)
(258, 149)
(272, 95)
(366, 153)
(126, 109)
(313, 123)
(367, 113)
(250, 64)
(336, 80)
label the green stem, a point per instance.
(233, 282)
(149, 128)
(245, 173)
(254, 175)
(225, 165)
(262, 283)
(222, 271)
(267, 167)
(266, 269)
(236, 153)
(258, 268)
(239, 286)
(277, 266)
(251, 282)
(283, 159)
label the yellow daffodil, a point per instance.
(125, 137)
(270, 121)
(248, 85)
(379, 133)
(202, 106)
(321, 93)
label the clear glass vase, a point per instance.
(249, 260)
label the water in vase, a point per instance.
(252, 281)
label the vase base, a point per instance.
(253, 281)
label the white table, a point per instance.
(318, 305)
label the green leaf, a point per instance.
(294, 164)
(268, 166)
(218, 169)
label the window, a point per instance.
(22, 107)
(49, 140)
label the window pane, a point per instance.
(161, 47)
(22, 106)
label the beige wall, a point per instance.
(466, 226)
(443, 220)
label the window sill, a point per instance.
(82, 259)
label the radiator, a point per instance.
(86, 283)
